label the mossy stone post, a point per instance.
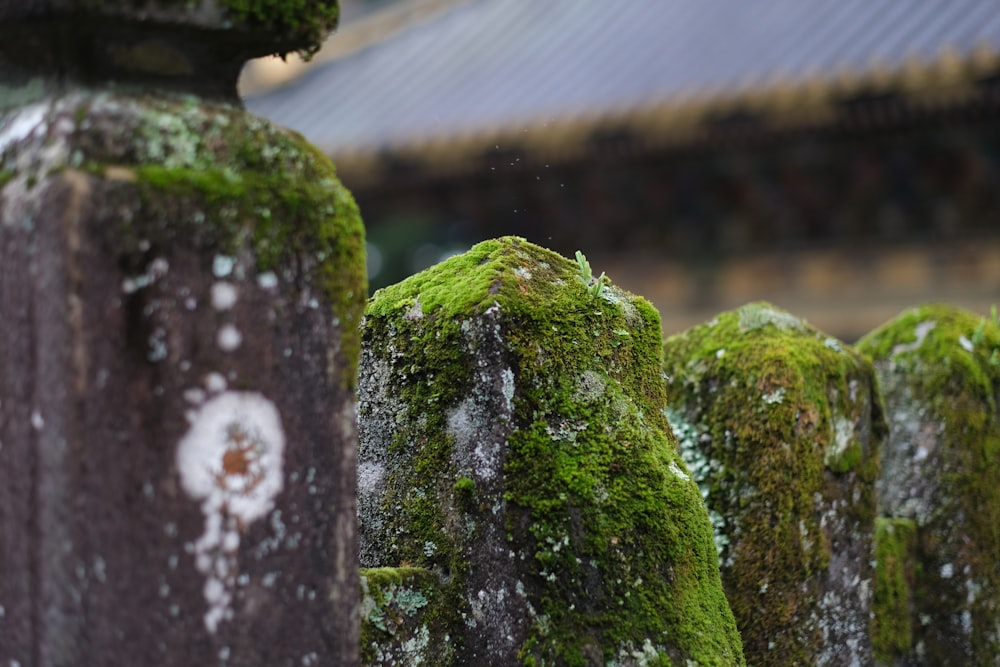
(513, 450)
(181, 289)
(780, 426)
(938, 602)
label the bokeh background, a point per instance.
(839, 158)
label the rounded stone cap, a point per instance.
(197, 45)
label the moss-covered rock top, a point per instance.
(499, 271)
(512, 442)
(779, 425)
(939, 368)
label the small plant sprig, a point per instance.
(979, 335)
(980, 332)
(595, 286)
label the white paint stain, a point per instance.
(267, 280)
(215, 383)
(222, 265)
(231, 460)
(228, 338)
(224, 295)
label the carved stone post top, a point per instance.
(195, 46)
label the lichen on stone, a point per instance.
(939, 368)
(402, 618)
(516, 426)
(193, 171)
(780, 430)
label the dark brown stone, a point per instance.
(180, 285)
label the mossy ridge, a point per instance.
(287, 222)
(939, 365)
(649, 542)
(761, 395)
(895, 572)
(403, 618)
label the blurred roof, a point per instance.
(451, 77)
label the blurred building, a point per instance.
(840, 158)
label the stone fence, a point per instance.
(543, 482)
(529, 475)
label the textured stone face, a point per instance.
(780, 426)
(181, 289)
(939, 490)
(513, 448)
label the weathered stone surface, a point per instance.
(407, 618)
(939, 368)
(513, 444)
(780, 427)
(181, 289)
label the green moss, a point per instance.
(465, 493)
(892, 607)
(5, 176)
(942, 471)
(614, 548)
(403, 618)
(305, 22)
(226, 179)
(285, 218)
(779, 427)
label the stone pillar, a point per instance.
(780, 425)
(180, 290)
(938, 602)
(513, 448)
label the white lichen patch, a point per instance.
(755, 316)
(370, 476)
(920, 331)
(676, 470)
(223, 265)
(23, 124)
(833, 344)
(416, 311)
(267, 280)
(231, 460)
(843, 436)
(522, 273)
(590, 386)
(630, 655)
(157, 269)
(775, 397)
(507, 388)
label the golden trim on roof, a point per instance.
(948, 79)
